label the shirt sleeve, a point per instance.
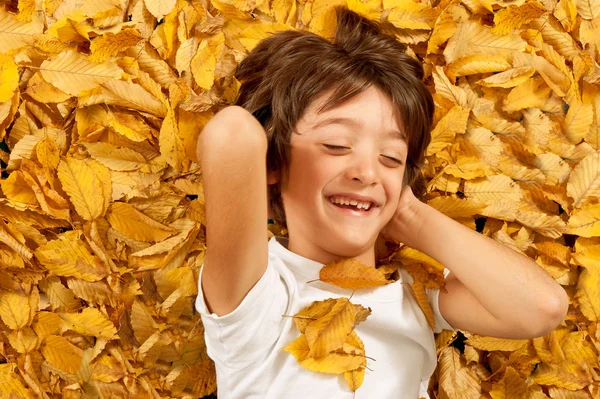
(434, 295)
(248, 333)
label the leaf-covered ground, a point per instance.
(101, 205)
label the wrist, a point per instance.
(413, 223)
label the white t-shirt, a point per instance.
(246, 343)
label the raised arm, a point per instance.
(232, 150)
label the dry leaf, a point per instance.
(351, 274)
(102, 219)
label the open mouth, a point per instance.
(352, 207)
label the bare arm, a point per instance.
(232, 151)
(492, 290)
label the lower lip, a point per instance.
(351, 212)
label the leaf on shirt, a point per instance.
(351, 274)
(349, 359)
(329, 332)
(328, 342)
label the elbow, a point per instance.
(551, 314)
(234, 131)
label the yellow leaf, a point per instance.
(68, 256)
(14, 309)
(511, 386)
(495, 344)
(492, 188)
(554, 35)
(71, 28)
(445, 26)
(456, 380)
(369, 9)
(48, 153)
(334, 363)
(588, 9)
(12, 237)
(555, 73)
(130, 222)
(510, 78)
(360, 314)
(329, 332)
(418, 291)
(115, 158)
(588, 292)
(73, 74)
(578, 120)
(131, 95)
(584, 181)
(59, 296)
(298, 348)
(10, 384)
(313, 312)
(152, 64)
(129, 126)
(10, 259)
(445, 88)
(142, 322)
(16, 188)
(171, 146)
(532, 93)
(24, 340)
(468, 167)
(250, 36)
(159, 8)
(15, 34)
(513, 17)
(456, 207)
(351, 274)
(9, 78)
(185, 53)
(62, 354)
(106, 368)
(478, 63)
(471, 38)
(110, 44)
(355, 378)
(93, 8)
(445, 131)
(90, 322)
(411, 15)
(84, 187)
(190, 126)
(205, 60)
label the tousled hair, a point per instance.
(287, 71)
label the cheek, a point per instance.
(308, 176)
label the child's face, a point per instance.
(317, 228)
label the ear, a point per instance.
(273, 176)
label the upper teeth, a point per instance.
(350, 201)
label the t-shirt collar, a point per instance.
(300, 265)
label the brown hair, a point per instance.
(285, 72)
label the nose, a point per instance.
(364, 169)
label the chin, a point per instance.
(353, 244)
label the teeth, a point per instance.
(347, 201)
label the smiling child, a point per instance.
(328, 137)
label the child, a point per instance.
(344, 127)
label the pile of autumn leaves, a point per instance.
(328, 342)
(102, 212)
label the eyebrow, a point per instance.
(354, 124)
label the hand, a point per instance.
(405, 221)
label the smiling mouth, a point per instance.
(352, 209)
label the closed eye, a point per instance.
(335, 147)
(339, 148)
